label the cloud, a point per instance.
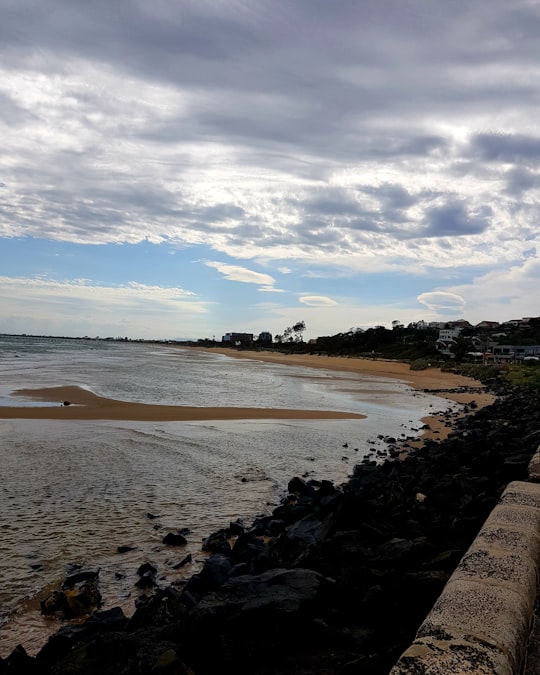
(505, 147)
(317, 301)
(520, 180)
(454, 219)
(505, 293)
(241, 274)
(271, 289)
(67, 307)
(343, 138)
(442, 302)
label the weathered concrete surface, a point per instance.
(534, 467)
(482, 621)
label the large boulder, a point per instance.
(257, 617)
(79, 594)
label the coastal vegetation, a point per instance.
(526, 374)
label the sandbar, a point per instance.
(85, 405)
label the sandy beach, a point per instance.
(430, 379)
(85, 405)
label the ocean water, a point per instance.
(71, 492)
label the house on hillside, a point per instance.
(446, 340)
(511, 353)
(460, 323)
(487, 325)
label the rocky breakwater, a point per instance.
(335, 580)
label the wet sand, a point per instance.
(432, 380)
(85, 405)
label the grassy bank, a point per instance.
(515, 375)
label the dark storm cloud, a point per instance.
(500, 147)
(454, 220)
(392, 197)
(520, 180)
(332, 202)
(407, 144)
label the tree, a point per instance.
(298, 330)
(461, 347)
(292, 333)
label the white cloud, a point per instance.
(271, 289)
(242, 274)
(317, 301)
(504, 294)
(442, 302)
(76, 307)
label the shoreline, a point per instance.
(85, 405)
(341, 584)
(430, 380)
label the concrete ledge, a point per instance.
(534, 467)
(482, 619)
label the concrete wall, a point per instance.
(482, 621)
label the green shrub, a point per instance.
(420, 364)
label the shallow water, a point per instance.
(73, 491)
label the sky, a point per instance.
(180, 169)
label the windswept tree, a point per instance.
(293, 333)
(298, 330)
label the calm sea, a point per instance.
(71, 492)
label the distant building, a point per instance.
(501, 353)
(447, 339)
(487, 325)
(460, 323)
(265, 337)
(238, 339)
(447, 334)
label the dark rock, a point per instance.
(126, 549)
(18, 662)
(53, 603)
(78, 595)
(218, 542)
(146, 568)
(215, 571)
(164, 608)
(298, 486)
(174, 539)
(183, 562)
(239, 569)
(236, 528)
(275, 527)
(146, 581)
(247, 547)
